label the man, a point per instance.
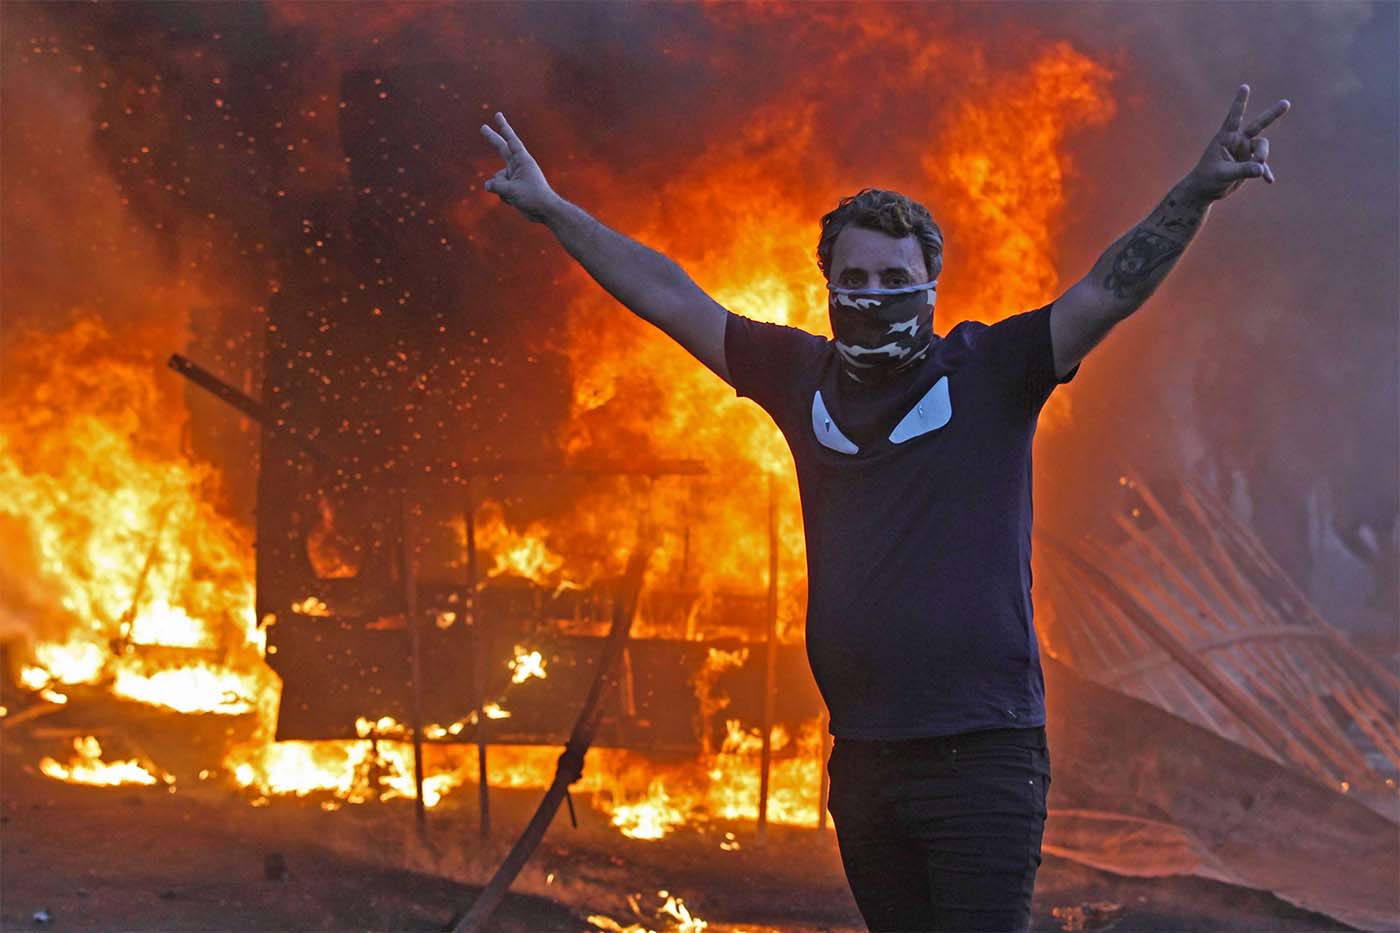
(913, 456)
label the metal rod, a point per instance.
(475, 619)
(1263, 613)
(1142, 582)
(1161, 630)
(1149, 650)
(1071, 585)
(1226, 604)
(1307, 674)
(770, 660)
(1204, 622)
(1264, 562)
(410, 600)
(570, 767)
(1178, 680)
(1068, 638)
(1267, 682)
(1373, 704)
(138, 591)
(1352, 701)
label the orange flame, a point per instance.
(103, 510)
(124, 574)
(89, 768)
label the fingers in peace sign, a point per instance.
(1234, 154)
(520, 184)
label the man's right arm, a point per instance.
(649, 284)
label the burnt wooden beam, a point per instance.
(245, 404)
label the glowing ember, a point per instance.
(311, 606)
(385, 726)
(526, 664)
(34, 677)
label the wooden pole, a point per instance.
(410, 601)
(570, 767)
(770, 661)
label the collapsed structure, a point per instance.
(1204, 718)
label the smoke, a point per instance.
(181, 169)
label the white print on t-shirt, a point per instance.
(929, 413)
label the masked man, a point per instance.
(913, 456)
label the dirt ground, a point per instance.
(206, 858)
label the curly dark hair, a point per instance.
(889, 212)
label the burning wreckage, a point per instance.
(1204, 719)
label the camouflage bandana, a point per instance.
(881, 331)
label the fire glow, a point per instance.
(141, 586)
(87, 767)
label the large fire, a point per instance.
(127, 577)
(154, 602)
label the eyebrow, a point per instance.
(906, 270)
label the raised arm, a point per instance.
(1132, 268)
(649, 284)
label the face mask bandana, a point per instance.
(882, 331)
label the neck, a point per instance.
(877, 376)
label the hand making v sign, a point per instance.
(1234, 156)
(520, 184)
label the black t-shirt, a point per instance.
(919, 619)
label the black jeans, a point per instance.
(942, 834)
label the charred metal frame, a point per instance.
(1192, 614)
(282, 639)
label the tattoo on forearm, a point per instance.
(1133, 267)
(1136, 262)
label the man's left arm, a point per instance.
(1132, 268)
